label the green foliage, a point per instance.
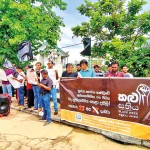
(120, 30)
(22, 20)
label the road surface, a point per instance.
(22, 131)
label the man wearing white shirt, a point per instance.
(125, 69)
(53, 75)
(21, 80)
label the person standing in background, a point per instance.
(44, 92)
(6, 86)
(37, 103)
(125, 69)
(21, 80)
(69, 71)
(115, 70)
(86, 71)
(30, 94)
(98, 72)
(53, 75)
(78, 67)
(109, 69)
(1, 91)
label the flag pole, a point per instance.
(90, 62)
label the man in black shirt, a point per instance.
(69, 71)
(45, 88)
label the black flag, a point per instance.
(25, 51)
(87, 47)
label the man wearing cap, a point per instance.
(86, 71)
(45, 87)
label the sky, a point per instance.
(72, 18)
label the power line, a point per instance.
(74, 44)
(71, 45)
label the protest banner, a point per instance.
(121, 105)
(32, 78)
(13, 82)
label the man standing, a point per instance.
(1, 92)
(21, 80)
(109, 69)
(114, 72)
(125, 69)
(37, 103)
(78, 67)
(98, 72)
(45, 88)
(86, 71)
(69, 71)
(6, 86)
(53, 75)
(30, 94)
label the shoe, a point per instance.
(39, 109)
(30, 109)
(46, 123)
(41, 113)
(19, 107)
(56, 112)
(42, 119)
(22, 107)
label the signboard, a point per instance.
(3, 75)
(120, 105)
(32, 78)
(13, 82)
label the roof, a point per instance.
(65, 54)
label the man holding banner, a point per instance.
(86, 71)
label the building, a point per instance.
(58, 56)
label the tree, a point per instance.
(118, 30)
(23, 20)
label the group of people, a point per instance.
(38, 95)
(83, 70)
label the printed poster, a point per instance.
(3, 75)
(32, 78)
(13, 82)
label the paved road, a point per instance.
(21, 131)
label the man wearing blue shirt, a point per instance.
(86, 71)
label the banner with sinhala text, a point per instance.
(121, 105)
